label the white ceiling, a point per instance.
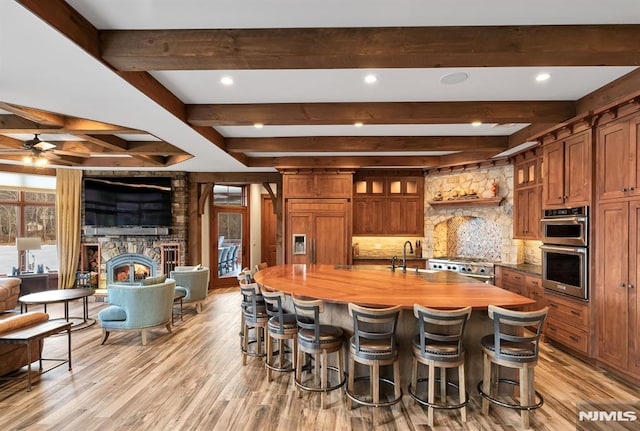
(42, 69)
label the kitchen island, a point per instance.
(379, 286)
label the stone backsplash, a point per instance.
(532, 252)
(491, 237)
(382, 247)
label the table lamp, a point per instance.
(24, 246)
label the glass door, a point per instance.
(229, 241)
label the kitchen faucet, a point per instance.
(404, 254)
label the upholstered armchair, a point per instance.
(194, 283)
(9, 293)
(138, 308)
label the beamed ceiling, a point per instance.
(138, 83)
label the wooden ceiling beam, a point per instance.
(366, 143)
(110, 142)
(9, 142)
(379, 113)
(341, 161)
(383, 47)
(35, 115)
(235, 177)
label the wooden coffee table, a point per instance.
(60, 295)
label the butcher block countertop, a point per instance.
(378, 286)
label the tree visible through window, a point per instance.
(27, 214)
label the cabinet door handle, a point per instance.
(565, 197)
(623, 285)
(624, 189)
(574, 338)
(630, 188)
(630, 286)
(575, 313)
(551, 304)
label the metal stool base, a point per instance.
(287, 369)
(438, 406)
(508, 405)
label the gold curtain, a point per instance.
(68, 214)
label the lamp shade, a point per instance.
(29, 243)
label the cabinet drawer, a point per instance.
(513, 276)
(567, 311)
(568, 335)
(533, 282)
(514, 287)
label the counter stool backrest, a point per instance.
(308, 315)
(273, 301)
(443, 326)
(374, 324)
(252, 300)
(505, 320)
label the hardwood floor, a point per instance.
(193, 379)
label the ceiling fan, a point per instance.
(38, 145)
(38, 148)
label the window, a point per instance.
(26, 213)
(229, 195)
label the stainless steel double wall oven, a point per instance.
(565, 251)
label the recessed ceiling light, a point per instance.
(541, 77)
(226, 80)
(358, 124)
(454, 78)
(476, 123)
(370, 78)
(258, 125)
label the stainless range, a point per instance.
(473, 267)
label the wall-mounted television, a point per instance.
(127, 201)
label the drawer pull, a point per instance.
(551, 304)
(574, 338)
(535, 283)
(551, 328)
(576, 313)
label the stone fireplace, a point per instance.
(137, 252)
(130, 268)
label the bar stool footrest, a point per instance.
(438, 406)
(355, 399)
(327, 389)
(501, 403)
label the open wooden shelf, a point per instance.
(453, 203)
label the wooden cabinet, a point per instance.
(513, 281)
(388, 205)
(533, 287)
(617, 160)
(325, 225)
(368, 215)
(527, 173)
(528, 195)
(527, 214)
(618, 302)
(568, 322)
(567, 171)
(317, 185)
(32, 283)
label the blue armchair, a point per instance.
(194, 283)
(138, 308)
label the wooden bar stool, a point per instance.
(281, 327)
(319, 340)
(502, 349)
(439, 345)
(254, 317)
(374, 344)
